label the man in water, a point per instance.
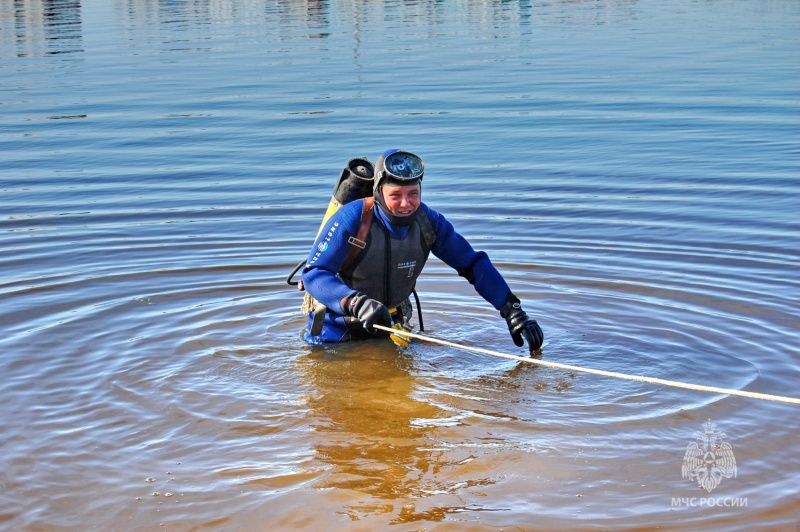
(367, 257)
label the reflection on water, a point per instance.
(364, 408)
(313, 13)
(380, 418)
(364, 414)
(40, 27)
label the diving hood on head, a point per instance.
(398, 168)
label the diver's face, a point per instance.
(402, 200)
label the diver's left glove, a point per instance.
(368, 311)
(520, 325)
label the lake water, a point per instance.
(632, 168)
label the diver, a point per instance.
(368, 254)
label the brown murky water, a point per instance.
(631, 167)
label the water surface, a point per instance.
(630, 166)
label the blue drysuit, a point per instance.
(331, 247)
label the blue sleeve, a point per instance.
(475, 266)
(327, 255)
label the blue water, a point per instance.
(631, 167)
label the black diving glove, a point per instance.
(519, 324)
(368, 311)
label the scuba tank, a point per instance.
(355, 182)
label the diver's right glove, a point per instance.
(368, 311)
(519, 324)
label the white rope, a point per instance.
(614, 374)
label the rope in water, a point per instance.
(614, 374)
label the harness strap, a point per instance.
(428, 233)
(359, 242)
